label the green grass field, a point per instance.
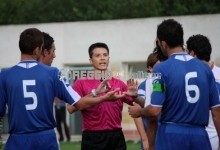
(76, 145)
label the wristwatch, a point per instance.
(93, 93)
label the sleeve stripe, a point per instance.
(75, 96)
(156, 105)
(215, 106)
(141, 92)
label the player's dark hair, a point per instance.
(97, 45)
(201, 46)
(29, 40)
(171, 32)
(157, 50)
(48, 41)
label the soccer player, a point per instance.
(144, 91)
(29, 89)
(46, 57)
(200, 47)
(184, 94)
(101, 129)
(48, 50)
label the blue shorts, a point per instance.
(181, 137)
(44, 140)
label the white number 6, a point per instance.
(29, 94)
(191, 88)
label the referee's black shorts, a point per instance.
(103, 140)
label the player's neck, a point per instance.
(43, 61)
(28, 57)
(174, 50)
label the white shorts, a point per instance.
(214, 143)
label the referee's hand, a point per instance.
(114, 95)
(103, 87)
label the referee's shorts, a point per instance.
(103, 140)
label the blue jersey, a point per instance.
(142, 93)
(186, 90)
(29, 89)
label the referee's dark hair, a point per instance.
(97, 45)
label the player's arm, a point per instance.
(103, 87)
(150, 111)
(65, 92)
(2, 96)
(157, 98)
(71, 109)
(152, 124)
(140, 127)
(139, 100)
(215, 103)
(57, 100)
(87, 101)
(216, 119)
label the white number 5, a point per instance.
(29, 94)
(191, 88)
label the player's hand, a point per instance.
(71, 109)
(132, 87)
(135, 110)
(145, 144)
(114, 95)
(103, 87)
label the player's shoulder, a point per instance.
(4, 72)
(142, 85)
(46, 67)
(161, 66)
(49, 69)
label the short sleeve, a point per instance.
(63, 89)
(158, 90)
(141, 90)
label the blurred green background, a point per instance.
(41, 11)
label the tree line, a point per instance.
(45, 11)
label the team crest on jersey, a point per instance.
(64, 80)
(155, 81)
